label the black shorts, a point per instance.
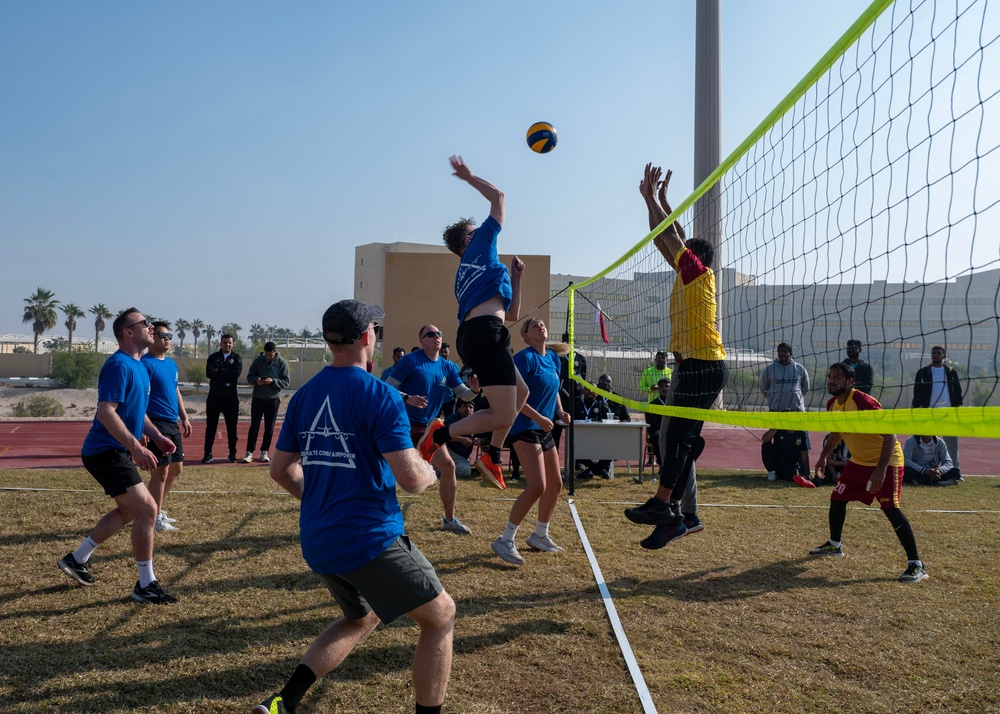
(483, 343)
(173, 432)
(114, 470)
(533, 436)
(399, 580)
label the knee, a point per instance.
(442, 614)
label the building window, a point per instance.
(361, 286)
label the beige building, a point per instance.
(415, 284)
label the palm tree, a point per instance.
(231, 328)
(210, 333)
(72, 312)
(196, 328)
(179, 327)
(256, 333)
(100, 313)
(40, 311)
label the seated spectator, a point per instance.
(461, 446)
(591, 407)
(927, 462)
(835, 463)
(654, 421)
(786, 455)
(620, 411)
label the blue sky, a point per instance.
(222, 160)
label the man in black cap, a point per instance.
(344, 445)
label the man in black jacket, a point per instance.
(223, 370)
(864, 373)
(938, 385)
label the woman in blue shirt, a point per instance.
(531, 439)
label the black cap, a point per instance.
(347, 320)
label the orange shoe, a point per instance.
(803, 482)
(490, 471)
(426, 445)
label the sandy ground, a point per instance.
(82, 403)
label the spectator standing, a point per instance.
(397, 354)
(785, 382)
(655, 421)
(938, 385)
(166, 408)
(651, 376)
(344, 445)
(223, 370)
(112, 451)
(864, 373)
(268, 374)
(928, 463)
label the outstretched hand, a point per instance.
(663, 192)
(460, 169)
(650, 179)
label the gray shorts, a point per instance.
(399, 580)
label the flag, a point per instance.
(599, 320)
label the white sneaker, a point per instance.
(771, 476)
(166, 517)
(264, 458)
(507, 550)
(248, 458)
(162, 525)
(543, 543)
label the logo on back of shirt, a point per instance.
(325, 443)
(468, 273)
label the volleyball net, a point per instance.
(864, 207)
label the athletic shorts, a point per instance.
(483, 343)
(853, 486)
(416, 431)
(173, 432)
(533, 436)
(399, 580)
(114, 470)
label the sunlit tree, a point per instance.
(180, 328)
(210, 333)
(72, 312)
(40, 311)
(196, 327)
(100, 313)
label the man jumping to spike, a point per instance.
(487, 295)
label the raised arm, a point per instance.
(516, 271)
(490, 192)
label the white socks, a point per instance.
(509, 532)
(541, 529)
(146, 575)
(86, 549)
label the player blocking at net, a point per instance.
(487, 296)
(701, 373)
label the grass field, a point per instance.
(734, 619)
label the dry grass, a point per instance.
(735, 619)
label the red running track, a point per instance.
(39, 444)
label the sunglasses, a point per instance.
(431, 333)
(144, 322)
(164, 335)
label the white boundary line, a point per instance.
(778, 505)
(616, 625)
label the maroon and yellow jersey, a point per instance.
(865, 448)
(693, 310)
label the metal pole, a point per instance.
(570, 434)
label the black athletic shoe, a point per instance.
(271, 705)
(233, 459)
(207, 459)
(80, 572)
(152, 594)
(662, 535)
(654, 513)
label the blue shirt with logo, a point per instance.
(419, 375)
(481, 275)
(125, 381)
(163, 381)
(341, 422)
(541, 374)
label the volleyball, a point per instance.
(542, 137)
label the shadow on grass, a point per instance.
(725, 583)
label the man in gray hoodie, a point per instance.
(269, 375)
(784, 382)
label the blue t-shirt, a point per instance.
(387, 372)
(541, 374)
(163, 380)
(419, 375)
(341, 422)
(481, 275)
(125, 381)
